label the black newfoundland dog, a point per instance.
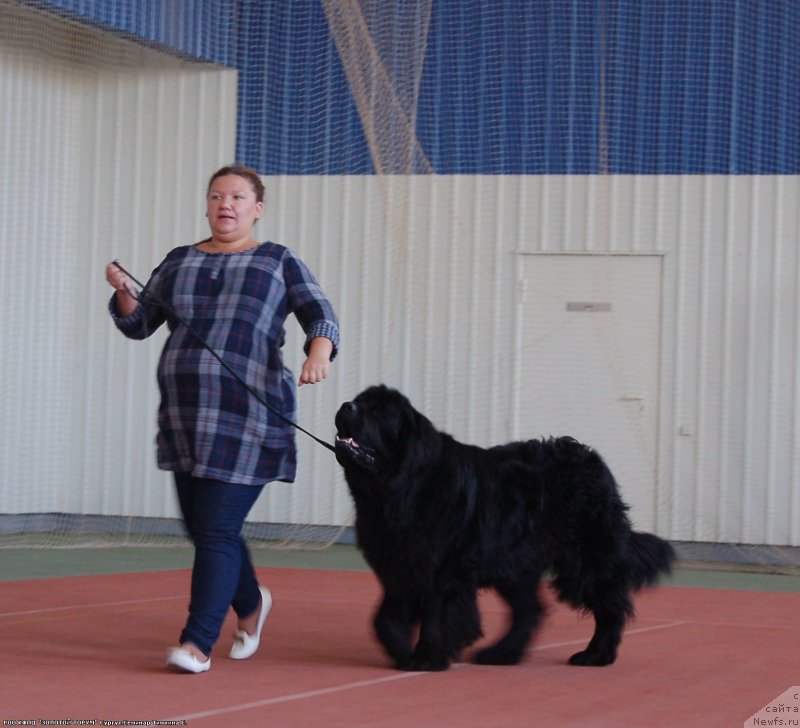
(438, 520)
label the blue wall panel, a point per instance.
(510, 86)
(296, 113)
(201, 29)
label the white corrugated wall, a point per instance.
(106, 149)
(424, 272)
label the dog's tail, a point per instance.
(651, 556)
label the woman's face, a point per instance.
(232, 208)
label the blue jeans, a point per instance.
(222, 575)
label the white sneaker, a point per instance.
(245, 645)
(183, 660)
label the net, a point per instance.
(533, 218)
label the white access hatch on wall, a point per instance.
(587, 349)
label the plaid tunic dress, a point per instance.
(208, 424)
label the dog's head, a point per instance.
(378, 430)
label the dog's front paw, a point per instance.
(425, 665)
(425, 661)
(499, 654)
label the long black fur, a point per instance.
(437, 520)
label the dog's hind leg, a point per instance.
(611, 610)
(394, 622)
(526, 611)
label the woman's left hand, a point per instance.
(318, 363)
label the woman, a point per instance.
(221, 444)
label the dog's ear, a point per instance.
(420, 442)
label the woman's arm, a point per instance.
(133, 315)
(316, 316)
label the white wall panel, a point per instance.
(105, 154)
(427, 304)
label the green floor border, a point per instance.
(42, 563)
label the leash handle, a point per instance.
(255, 393)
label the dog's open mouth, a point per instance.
(354, 451)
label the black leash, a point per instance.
(161, 302)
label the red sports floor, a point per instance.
(91, 648)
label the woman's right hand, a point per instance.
(123, 285)
(117, 279)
